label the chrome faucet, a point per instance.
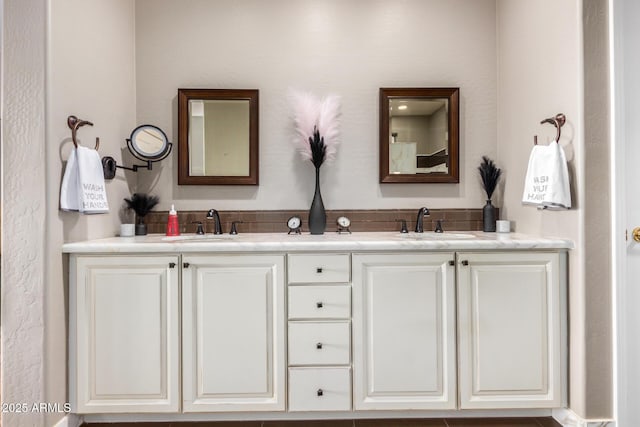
(422, 212)
(217, 227)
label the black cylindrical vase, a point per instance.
(489, 217)
(141, 227)
(317, 215)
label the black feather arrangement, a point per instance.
(318, 149)
(142, 204)
(490, 175)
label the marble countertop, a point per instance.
(282, 242)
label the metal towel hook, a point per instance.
(558, 121)
(74, 124)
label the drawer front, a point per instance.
(319, 389)
(321, 343)
(319, 268)
(319, 302)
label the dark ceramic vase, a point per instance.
(489, 217)
(141, 227)
(317, 215)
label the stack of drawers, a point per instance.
(319, 344)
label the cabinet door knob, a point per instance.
(172, 265)
(319, 270)
(319, 304)
(319, 392)
(185, 264)
(464, 262)
(319, 346)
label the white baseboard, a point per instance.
(70, 420)
(568, 418)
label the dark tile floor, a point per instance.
(436, 422)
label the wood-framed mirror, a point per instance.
(419, 135)
(218, 137)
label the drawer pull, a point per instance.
(319, 346)
(319, 392)
(319, 304)
(319, 270)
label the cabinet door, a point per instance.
(124, 334)
(404, 331)
(233, 333)
(510, 330)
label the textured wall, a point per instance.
(24, 208)
(597, 212)
(350, 48)
(86, 59)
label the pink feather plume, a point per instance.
(329, 125)
(310, 113)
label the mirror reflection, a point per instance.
(149, 142)
(418, 135)
(418, 140)
(217, 136)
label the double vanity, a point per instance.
(337, 325)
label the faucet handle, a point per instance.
(403, 227)
(439, 226)
(233, 227)
(199, 228)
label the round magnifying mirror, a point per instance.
(149, 142)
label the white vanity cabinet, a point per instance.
(511, 343)
(404, 331)
(124, 334)
(233, 333)
(300, 326)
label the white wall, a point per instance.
(438, 133)
(411, 129)
(92, 69)
(227, 122)
(539, 77)
(350, 48)
(541, 73)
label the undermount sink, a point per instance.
(430, 235)
(198, 238)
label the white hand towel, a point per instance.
(69, 189)
(547, 182)
(83, 188)
(92, 191)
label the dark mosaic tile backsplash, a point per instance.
(361, 220)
